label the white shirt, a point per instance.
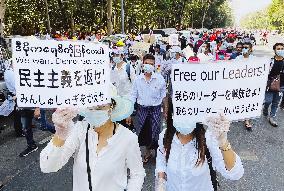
(120, 79)
(205, 58)
(183, 175)
(108, 168)
(149, 93)
(241, 57)
(9, 77)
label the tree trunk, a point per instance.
(47, 17)
(109, 16)
(204, 14)
(2, 14)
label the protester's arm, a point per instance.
(228, 163)
(132, 73)
(161, 164)
(134, 163)
(165, 98)
(134, 91)
(10, 81)
(57, 153)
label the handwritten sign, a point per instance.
(236, 89)
(140, 48)
(52, 74)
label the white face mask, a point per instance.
(245, 51)
(203, 49)
(95, 118)
(184, 128)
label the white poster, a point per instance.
(52, 74)
(236, 89)
(174, 40)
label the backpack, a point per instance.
(127, 69)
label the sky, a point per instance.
(243, 7)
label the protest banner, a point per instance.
(236, 89)
(173, 40)
(52, 74)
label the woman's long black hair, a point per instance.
(198, 133)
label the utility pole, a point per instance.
(122, 17)
(47, 17)
(109, 17)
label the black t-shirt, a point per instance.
(278, 68)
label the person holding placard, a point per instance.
(276, 75)
(188, 155)
(103, 150)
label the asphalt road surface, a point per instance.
(261, 151)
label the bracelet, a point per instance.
(227, 148)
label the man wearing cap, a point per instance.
(122, 77)
(149, 90)
(122, 73)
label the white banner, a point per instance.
(52, 74)
(235, 88)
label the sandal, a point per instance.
(146, 158)
(248, 126)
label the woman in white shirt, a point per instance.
(182, 160)
(102, 149)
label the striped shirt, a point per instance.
(149, 93)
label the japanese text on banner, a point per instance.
(236, 89)
(51, 74)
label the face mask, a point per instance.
(245, 51)
(203, 49)
(95, 118)
(148, 68)
(185, 128)
(116, 60)
(280, 53)
(221, 57)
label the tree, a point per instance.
(271, 18)
(25, 17)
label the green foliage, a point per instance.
(271, 18)
(25, 17)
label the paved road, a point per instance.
(260, 150)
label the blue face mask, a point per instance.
(148, 68)
(95, 118)
(245, 51)
(221, 57)
(280, 53)
(116, 60)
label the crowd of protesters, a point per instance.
(186, 154)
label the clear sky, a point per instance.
(243, 7)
